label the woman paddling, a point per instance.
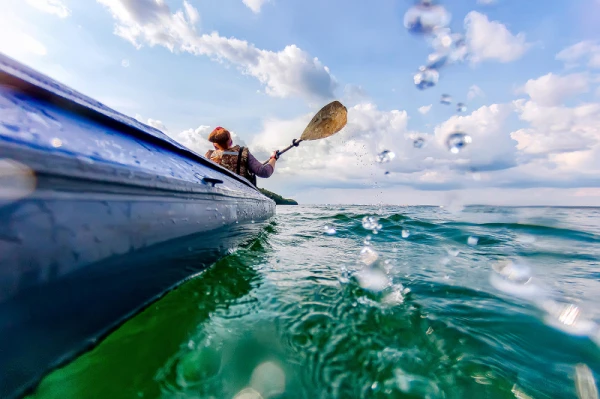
(237, 159)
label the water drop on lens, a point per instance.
(461, 107)
(426, 78)
(371, 223)
(436, 60)
(568, 318)
(472, 241)
(514, 279)
(446, 99)
(585, 383)
(424, 18)
(373, 279)
(329, 230)
(419, 142)
(457, 141)
(385, 156)
(405, 233)
(368, 256)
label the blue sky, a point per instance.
(535, 138)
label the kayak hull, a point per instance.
(100, 216)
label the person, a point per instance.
(237, 159)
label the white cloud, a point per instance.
(157, 125)
(56, 7)
(15, 41)
(475, 91)
(425, 109)
(487, 2)
(255, 5)
(586, 51)
(551, 89)
(286, 73)
(491, 40)
(557, 129)
(125, 63)
(197, 139)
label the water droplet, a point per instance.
(457, 141)
(426, 78)
(585, 384)
(568, 318)
(461, 107)
(514, 279)
(472, 241)
(17, 180)
(371, 223)
(385, 156)
(525, 239)
(268, 379)
(405, 233)
(446, 99)
(453, 252)
(424, 18)
(436, 60)
(56, 142)
(373, 279)
(368, 256)
(329, 230)
(248, 393)
(419, 142)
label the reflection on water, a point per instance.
(303, 314)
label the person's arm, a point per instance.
(260, 170)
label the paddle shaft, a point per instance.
(295, 143)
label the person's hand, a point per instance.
(274, 156)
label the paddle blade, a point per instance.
(327, 122)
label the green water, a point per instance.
(289, 316)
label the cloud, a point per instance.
(286, 73)
(125, 63)
(15, 41)
(557, 129)
(56, 7)
(491, 40)
(157, 125)
(197, 139)
(425, 109)
(475, 91)
(487, 2)
(255, 5)
(552, 90)
(586, 51)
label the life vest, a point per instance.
(234, 159)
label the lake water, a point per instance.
(483, 302)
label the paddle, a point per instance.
(327, 122)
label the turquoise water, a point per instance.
(482, 302)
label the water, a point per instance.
(301, 314)
(426, 78)
(457, 141)
(419, 142)
(385, 156)
(424, 18)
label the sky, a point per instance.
(527, 71)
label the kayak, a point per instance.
(100, 215)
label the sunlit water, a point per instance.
(485, 303)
